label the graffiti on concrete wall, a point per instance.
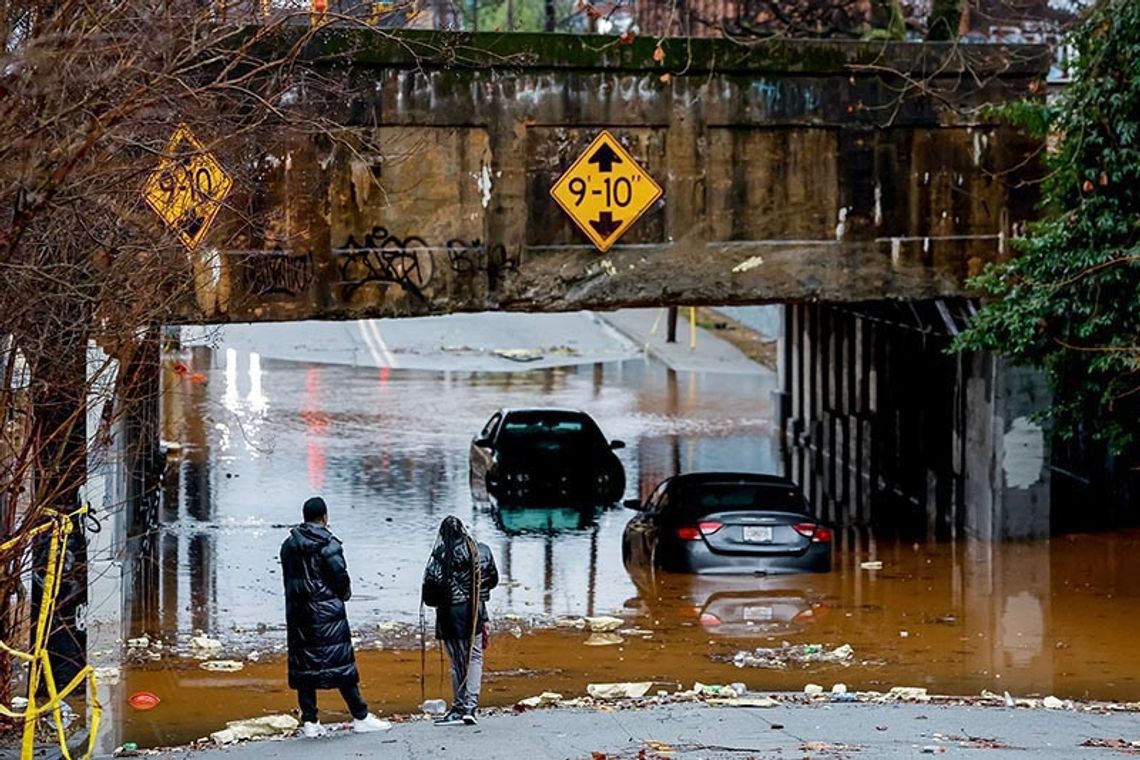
(385, 259)
(274, 273)
(471, 257)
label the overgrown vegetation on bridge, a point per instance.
(1070, 303)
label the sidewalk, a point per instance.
(828, 730)
(711, 354)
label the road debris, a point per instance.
(812, 689)
(603, 640)
(604, 623)
(255, 728)
(221, 666)
(626, 690)
(141, 700)
(544, 699)
(787, 654)
(871, 565)
(202, 646)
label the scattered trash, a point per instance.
(253, 656)
(904, 634)
(603, 639)
(434, 707)
(744, 702)
(812, 689)
(128, 747)
(781, 657)
(518, 354)
(660, 747)
(623, 690)
(571, 622)
(19, 703)
(516, 631)
(143, 700)
(604, 623)
(739, 688)
(1111, 744)
(880, 728)
(387, 627)
(142, 642)
(872, 565)
(714, 690)
(839, 688)
(909, 694)
(542, 700)
(255, 728)
(1052, 703)
(1008, 700)
(932, 749)
(202, 646)
(222, 666)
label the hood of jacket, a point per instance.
(311, 537)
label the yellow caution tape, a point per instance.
(39, 663)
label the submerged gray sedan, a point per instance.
(727, 522)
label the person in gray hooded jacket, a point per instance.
(457, 581)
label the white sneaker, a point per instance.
(313, 730)
(370, 723)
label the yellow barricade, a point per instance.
(39, 664)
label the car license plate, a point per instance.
(758, 613)
(758, 534)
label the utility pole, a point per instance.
(671, 326)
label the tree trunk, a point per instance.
(551, 16)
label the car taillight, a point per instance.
(817, 533)
(710, 620)
(694, 533)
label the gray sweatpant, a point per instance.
(465, 682)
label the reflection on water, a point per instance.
(388, 450)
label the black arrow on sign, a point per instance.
(605, 157)
(605, 225)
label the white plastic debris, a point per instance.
(142, 642)
(629, 689)
(255, 728)
(604, 623)
(744, 702)
(812, 689)
(222, 666)
(542, 700)
(108, 675)
(1052, 703)
(871, 565)
(202, 645)
(909, 693)
(603, 640)
(839, 688)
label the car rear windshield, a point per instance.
(706, 498)
(528, 427)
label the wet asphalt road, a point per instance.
(695, 731)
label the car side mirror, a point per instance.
(617, 445)
(482, 442)
(634, 504)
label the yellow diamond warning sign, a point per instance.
(605, 191)
(187, 188)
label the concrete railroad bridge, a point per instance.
(858, 183)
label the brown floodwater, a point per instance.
(388, 450)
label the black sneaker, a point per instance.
(469, 718)
(453, 718)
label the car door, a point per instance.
(653, 518)
(643, 528)
(482, 450)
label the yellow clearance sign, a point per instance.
(187, 188)
(605, 191)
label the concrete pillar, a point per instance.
(1006, 453)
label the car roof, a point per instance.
(532, 409)
(756, 478)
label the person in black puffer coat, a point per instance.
(459, 589)
(320, 642)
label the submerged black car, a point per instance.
(727, 522)
(545, 457)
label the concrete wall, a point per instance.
(884, 427)
(792, 170)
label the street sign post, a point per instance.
(605, 191)
(187, 188)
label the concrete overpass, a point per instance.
(792, 171)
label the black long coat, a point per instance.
(316, 587)
(450, 593)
